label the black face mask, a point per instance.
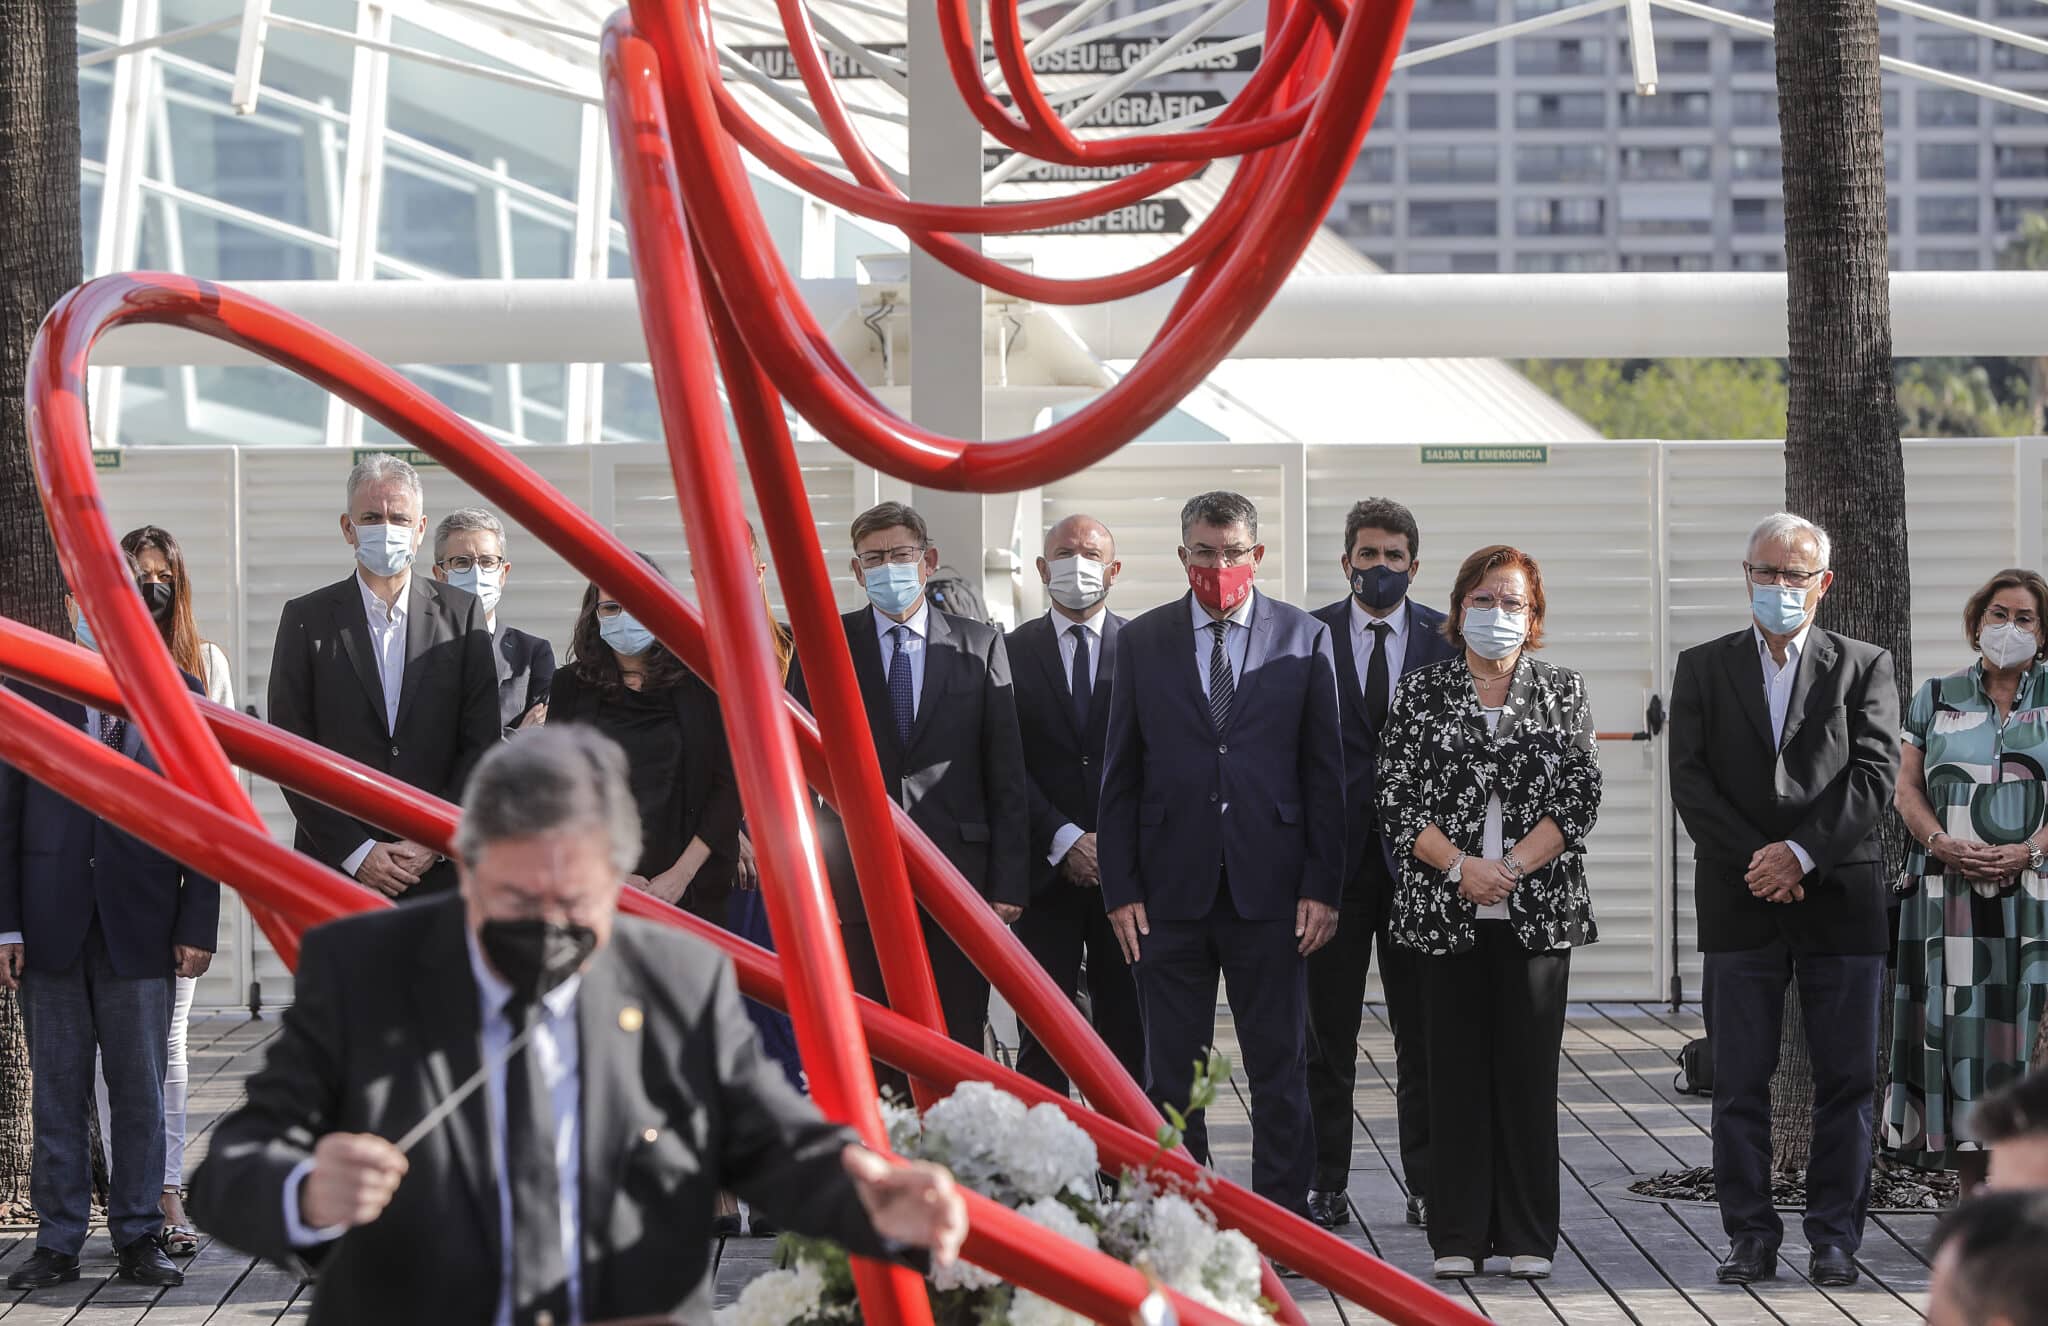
(1379, 587)
(158, 597)
(535, 956)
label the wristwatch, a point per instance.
(1455, 872)
(2035, 856)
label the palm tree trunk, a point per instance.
(40, 258)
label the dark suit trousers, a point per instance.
(69, 1014)
(1336, 1003)
(1264, 978)
(963, 991)
(1061, 924)
(1745, 1003)
(1495, 1028)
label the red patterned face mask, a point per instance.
(1221, 588)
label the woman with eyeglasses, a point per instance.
(1488, 785)
(1970, 984)
(469, 553)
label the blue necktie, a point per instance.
(902, 699)
(1083, 688)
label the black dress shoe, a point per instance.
(1418, 1211)
(144, 1262)
(1832, 1268)
(44, 1270)
(1748, 1261)
(726, 1226)
(1285, 1272)
(1331, 1210)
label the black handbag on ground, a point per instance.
(1695, 1070)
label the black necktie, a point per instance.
(113, 730)
(1222, 686)
(902, 696)
(1083, 688)
(1376, 674)
(540, 1282)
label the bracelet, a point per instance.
(1938, 833)
(1514, 867)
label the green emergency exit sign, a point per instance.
(1486, 455)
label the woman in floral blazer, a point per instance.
(1488, 785)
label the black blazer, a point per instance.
(1164, 836)
(1425, 645)
(678, 1103)
(1062, 761)
(1826, 786)
(526, 671)
(962, 777)
(324, 687)
(61, 866)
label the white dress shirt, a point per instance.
(387, 647)
(1778, 683)
(1236, 640)
(1364, 641)
(913, 647)
(558, 1048)
(1064, 629)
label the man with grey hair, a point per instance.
(1784, 757)
(469, 553)
(621, 1088)
(390, 669)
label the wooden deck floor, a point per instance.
(1622, 1260)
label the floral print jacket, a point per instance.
(1439, 765)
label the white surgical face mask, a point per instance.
(486, 585)
(1494, 632)
(2008, 644)
(1077, 583)
(384, 550)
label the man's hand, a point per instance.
(351, 1182)
(386, 871)
(1775, 874)
(191, 962)
(533, 717)
(1485, 881)
(746, 871)
(12, 964)
(1080, 865)
(1129, 922)
(916, 1204)
(1007, 912)
(1315, 924)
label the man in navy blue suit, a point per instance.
(1221, 830)
(1377, 634)
(93, 926)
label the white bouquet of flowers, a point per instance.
(1036, 1161)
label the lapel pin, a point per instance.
(630, 1018)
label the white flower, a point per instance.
(966, 1130)
(1047, 1153)
(903, 1127)
(1051, 1214)
(1232, 1271)
(963, 1274)
(1177, 1241)
(776, 1298)
(1028, 1309)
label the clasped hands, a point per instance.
(1984, 863)
(392, 868)
(1775, 874)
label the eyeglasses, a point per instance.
(1998, 615)
(485, 564)
(1782, 575)
(901, 555)
(1234, 555)
(1488, 602)
(609, 608)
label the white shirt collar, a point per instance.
(496, 993)
(1241, 615)
(1362, 621)
(1793, 647)
(919, 620)
(375, 606)
(1063, 624)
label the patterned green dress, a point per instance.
(1973, 958)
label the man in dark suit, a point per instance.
(388, 668)
(579, 1183)
(1065, 663)
(944, 720)
(1784, 755)
(1222, 830)
(93, 926)
(469, 553)
(1377, 634)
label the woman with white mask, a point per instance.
(1970, 985)
(1489, 784)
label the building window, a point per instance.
(1944, 108)
(1947, 161)
(1947, 216)
(1369, 219)
(2015, 162)
(1753, 57)
(1958, 55)
(1567, 55)
(1475, 262)
(1758, 216)
(1452, 110)
(1892, 158)
(1675, 56)
(2008, 213)
(1531, 8)
(1666, 163)
(1375, 165)
(1949, 260)
(2009, 114)
(1891, 108)
(1452, 11)
(1463, 217)
(1560, 216)
(2017, 59)
(1756, 163)
(1561, 262)
(1465, 163)
(1756, 108)
(1560, 110)
(1482, 62)
(1666, 262)
(1891, 214)
(1772, 260)
(1565, 163)
(1665, 110)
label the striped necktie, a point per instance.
(1222, 686)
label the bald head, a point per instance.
(1080, 535)
(1079, 565)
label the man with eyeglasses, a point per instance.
(469, 553)
(390, 669)
(1220, 831)
(944, 719)
(1784, 756)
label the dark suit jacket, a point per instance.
(1262, 801)
(1825, 787)
(61, 865)
(678, 1103)
(526, 672)
(962, 777)
(1062, 761)
(1425, 645)
(324, 687)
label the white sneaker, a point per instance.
(1529, 1268)
(1455, 1268)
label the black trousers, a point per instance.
(1178, 967)
(1062, 924)
(1495, 1029)
(1336, 1000)
(963, 990)
(1745, 1003)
